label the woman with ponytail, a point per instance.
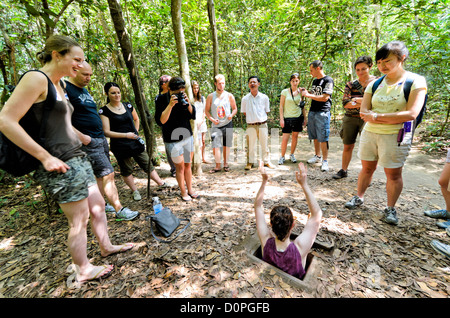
(65, 172)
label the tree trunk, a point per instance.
(11, 50)
(184, 70)
(212, 23)
(141, 103)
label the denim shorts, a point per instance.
(319, 126)
(71, 186)
(222, 136)
(184, 147)
(98, 154)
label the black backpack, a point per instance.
(406, 91)
(14, 159)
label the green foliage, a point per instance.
(271, 39)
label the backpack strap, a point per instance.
(49, 104)
(407, 87)
(377, 83)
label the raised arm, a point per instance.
(261, 225)
(306, 239)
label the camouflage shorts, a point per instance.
(70, 186)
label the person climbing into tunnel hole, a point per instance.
(276, 245)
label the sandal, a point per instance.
(194, 196)
(226, 169)
(186, 199)
(103, 272)
(214, 170)
(123, 248)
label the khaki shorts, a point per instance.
(71, 186)
(382, 148)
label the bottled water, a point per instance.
(157, 205)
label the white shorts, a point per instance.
(382, 148)
(184, 147)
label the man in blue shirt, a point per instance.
(89, 128)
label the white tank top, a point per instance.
(221, 108)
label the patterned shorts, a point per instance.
(71, 186)
(98, 154)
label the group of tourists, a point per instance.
(77, 172)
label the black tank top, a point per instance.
(60, 138)
(123, 123)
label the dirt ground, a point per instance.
(370, 259)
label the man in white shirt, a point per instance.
(255, 106)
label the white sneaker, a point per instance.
(281, 161)
(324, 166)
(109, 208)
(315, 159)
(126, 214)
(292, 157)
(136, 195)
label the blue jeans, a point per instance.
(319, 126)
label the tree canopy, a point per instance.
(271, 39)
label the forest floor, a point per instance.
(370, 259)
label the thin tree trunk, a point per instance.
(184, 70)
(212, 23)
(141, 103)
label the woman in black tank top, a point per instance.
(65, 173)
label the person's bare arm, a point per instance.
(306, 239)
(31, 89)
(261, 225)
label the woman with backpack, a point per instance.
(65, 172)
(389, 115)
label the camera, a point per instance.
(181, 101)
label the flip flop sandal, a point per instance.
(226, 169)
(72, 269)
(186, 199)
(98, 276)
(215, 170)
(194, 196)
(125, 248)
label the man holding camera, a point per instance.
(255, 106)
(173, 113)
(319, 115)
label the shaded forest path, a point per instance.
(369, 258)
